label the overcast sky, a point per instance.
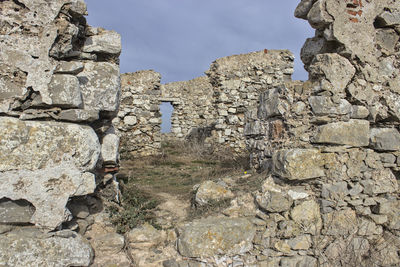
(180, 38)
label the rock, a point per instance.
(211, 191)
(69, 67)
(272, 201)
(15, 212)
(64, 91)
(297, 194)
(311, 48)
(32, 145)
(343, 222)
(270, 103)
(78, 210)
(107, 42)
(130, 120)
(389, 18)
(216, 236)
(78, 115)
(303, 8)
(145, 236)
(302, 242)
(337, 70)
(336, 191)
(318, 17)
(111, 243)
(352, 133)
(385, 139)
(23, 250)
(298, 164)
(359, 112)
(387, 39)
(109, 149)
(322, 105)
(100, 86)
(241, 206)
(383, 181)
(367, 228)
(298, 261)
(307, 215)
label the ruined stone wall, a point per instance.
(237, 82)
(59, 89)
(193, 105)
(138, 120)
(332, 144)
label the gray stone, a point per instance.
(334, 191)
(337, 70)
(322, 105)
(307, 215)
(22, 250)
(109, 149)
(299, 164)
(111, 243)
(303, 8)
(273, 201)
(69, 67)
(210, 191)
(78, 115)
(216, 236)
(15, 212)
(298, 261)
(78, 210)
(64, 91)
(144, 237)
(318, 17)
(352, 133)
(359, 112)
(100, 86)
(302, 242)
(311, 48)
(343, 222)
(389, 18)
(270, 104)
(385, 139)
(383, 181)
(32, 145)
(130, 120)
(387, 40)
(107, 42)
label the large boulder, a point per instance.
(353, 133)
(63, 249)
(216, 236)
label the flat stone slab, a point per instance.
(216, 236)
(353, 133)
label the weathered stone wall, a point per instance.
(238, 81)
(59, 89)
(331, 145)
(193, 105)
(139, 117)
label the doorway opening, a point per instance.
(166, 109)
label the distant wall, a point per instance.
(139, 118)
(193, 104)
(237, 83)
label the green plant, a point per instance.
(137, 208)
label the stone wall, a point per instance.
(331, 145)
(138, 120)
(59, 89)
(193, 105)
(237, 82)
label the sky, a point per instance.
(181, 38)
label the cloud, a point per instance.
(180, 38)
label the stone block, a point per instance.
(299, 164)
(109, 149)
(340, 223)
(334, 68)
(270, 104)
(353, 133)
(69, 67)
(78, 115)
(216, 236)
(322, 105)
(307, 215)
(100, 86)
(211, 191)
(68, 249)
(385, 139)
(107, 42)
(65, 92)
(303, 8)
